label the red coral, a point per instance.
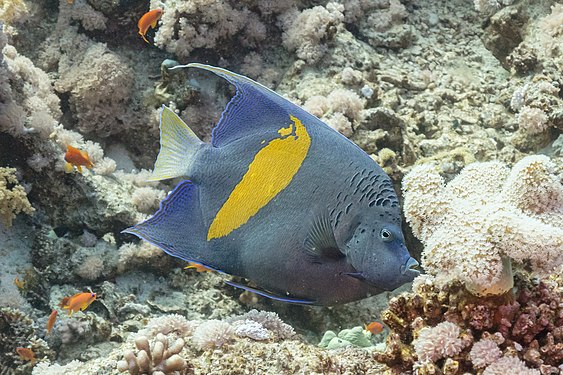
(527, 325)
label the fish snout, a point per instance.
(409, 268)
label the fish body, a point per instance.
(374, 327)
(51, 321)
(78, 302)
(76, 158)
(281, 199)
(198, 267)
(26, 354)
(19, 283)
(148, 20)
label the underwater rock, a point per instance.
(504, 32)
(64, 260)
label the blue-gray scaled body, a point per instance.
(281, 200)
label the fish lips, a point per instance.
(408, 272)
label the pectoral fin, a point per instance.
(320, 241)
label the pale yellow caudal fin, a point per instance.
(178, 147)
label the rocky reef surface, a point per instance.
(463, 99)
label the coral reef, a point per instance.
(308, 32)
(17, 330)
(446, 330)
(13, 198)
(449, 83)
(485, 217)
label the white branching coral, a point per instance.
(437, 342)
(533, 120)
(212, 333)
(27, 101)
(308, 32)
(341, 109)
(100, 87)
(188, 25)
(269, 320)
(168, 325)
(509, 365)
(484, 352)
(485, 217)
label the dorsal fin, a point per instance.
(254, 108)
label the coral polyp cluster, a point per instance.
(485, 217)
(447, 330)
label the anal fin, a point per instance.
(270, 295)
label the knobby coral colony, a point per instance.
(469, 314)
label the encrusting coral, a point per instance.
(485, 217)
(443, 329)
(356, 336)
(13, 198)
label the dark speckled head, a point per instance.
(367, 221)
(377, 251)
(281, 199)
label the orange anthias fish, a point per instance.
(76, 158)
(18, 283)
(51, 321)
(79, 301)
(26, 354)
(374, 327)
(198, 267)
(147, 21)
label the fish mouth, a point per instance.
(409, 268)
(408, 272)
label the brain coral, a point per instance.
(487, 216)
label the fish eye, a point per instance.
(386, 235)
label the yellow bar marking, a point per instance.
(268, 174)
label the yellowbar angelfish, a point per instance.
(281, 199)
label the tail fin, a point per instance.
(177, 227)
(178, 147)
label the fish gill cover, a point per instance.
(412, 84)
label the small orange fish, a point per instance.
(76, 158)
(79, 301)
(51, 321)
(26, 354)
(374, 327)
(147, 21)
(198, 267)
(20, 284)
